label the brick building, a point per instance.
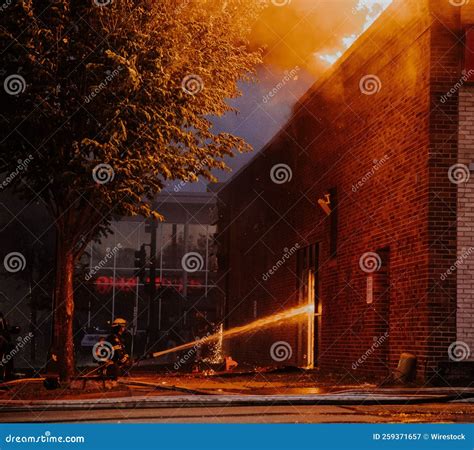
(386, 137)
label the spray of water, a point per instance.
(236, 331)
(216, 348)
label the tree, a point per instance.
(109, 99)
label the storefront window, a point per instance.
(172, 245)
(111, 274)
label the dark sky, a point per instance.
(301, 39)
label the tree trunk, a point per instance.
(63, 314)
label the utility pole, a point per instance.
(140, 276)
(153, 324)
(33, 318)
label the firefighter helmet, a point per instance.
(119, 322)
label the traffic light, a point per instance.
(140, 264)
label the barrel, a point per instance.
(406, 370)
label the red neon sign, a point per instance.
(105, 285)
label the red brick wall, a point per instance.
(446, 65)
(463, 268)
(386, 155)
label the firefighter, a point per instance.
(119, 358)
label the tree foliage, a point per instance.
(103, 101)
(114, 97)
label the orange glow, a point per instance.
(312, 34)
(372, 9)
(301, 311)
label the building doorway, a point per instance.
(308, 294)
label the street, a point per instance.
(308, 397)
(430, 413)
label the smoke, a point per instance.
(301, 39)
(312, 33)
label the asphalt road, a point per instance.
(431, 413)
